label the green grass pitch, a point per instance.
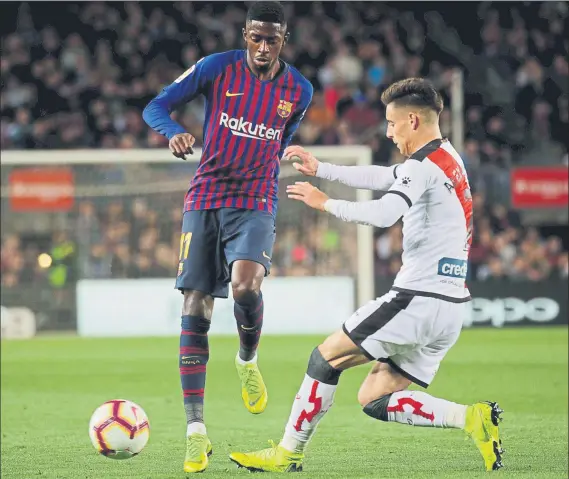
(50, 387)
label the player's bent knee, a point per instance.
(245, 293)
(367, 395)
(321, 370)
(376, 408)
(197, 303)
(246, 276)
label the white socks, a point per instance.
(196, 427)
(311, 403)
(418, 408)
(251, 361)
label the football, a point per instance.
(119, 429)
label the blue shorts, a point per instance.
(213, 239)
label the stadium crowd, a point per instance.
(141, 242)
(79, 76)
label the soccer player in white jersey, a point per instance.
(408, 331)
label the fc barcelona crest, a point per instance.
(284, 109)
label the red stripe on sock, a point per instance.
(193, 392)
(416, 405)
(193, 350)
(258, 307)
(317, 407)
(184, 370)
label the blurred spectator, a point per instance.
(563, 266)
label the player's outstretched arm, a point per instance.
(382, 213)
(303, 161)
(365, 177)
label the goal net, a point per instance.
(121, 212)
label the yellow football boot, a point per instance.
(274, 459)
(198, 450)
(253, 390)
(481, 426)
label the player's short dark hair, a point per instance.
(271, 12)
(414, 92)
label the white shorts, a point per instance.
(408, 330)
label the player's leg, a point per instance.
(313, 400)
(384, 396)
(197, 279)
(248, 238)
(194, 355)
(384, 393)
(246, 279)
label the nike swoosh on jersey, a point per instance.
(227, 93)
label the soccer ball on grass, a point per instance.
(119, 429)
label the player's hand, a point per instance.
(181, 145)
(304, 161)
(308, 194)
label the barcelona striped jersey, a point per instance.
(248, 124)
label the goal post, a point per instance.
(160, 178)
(457, 109)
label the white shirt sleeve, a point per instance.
(382, 213)
(371, 177)
(412, 181)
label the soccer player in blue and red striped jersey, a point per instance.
(254, 104)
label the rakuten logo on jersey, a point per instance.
(453, 267)
(240, 127)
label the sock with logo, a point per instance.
(248, 312)
(194, 355)
(314, 398)
(417, 408)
